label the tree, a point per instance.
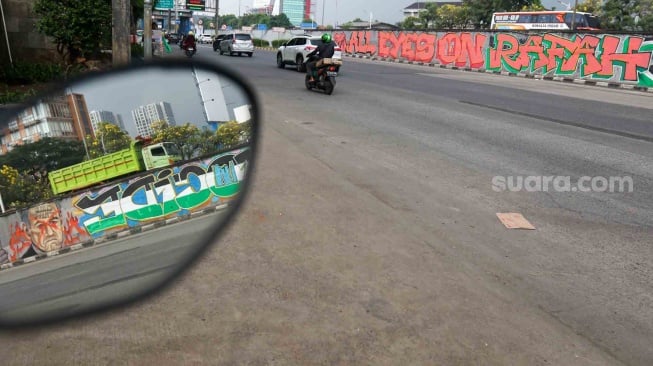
(280, 20)
(410, 23)
(80, 28)
(45, 155)
(187, 138)
(429, 16)
(646, 16)
(232, 133)
(591, 6)
(618, 14)
(109, 138)
(453, 16)
(22, 189)
(230, 20)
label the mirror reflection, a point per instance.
(109, 185)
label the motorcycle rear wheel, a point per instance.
(307, 82)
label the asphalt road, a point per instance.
(104, 274)
(371, 235)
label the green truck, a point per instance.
(137, 158)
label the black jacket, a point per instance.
(325, 50)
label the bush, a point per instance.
(278, 42)
(137, 50)
(260, 42)
(29, 73)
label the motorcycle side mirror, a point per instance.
(113, 184)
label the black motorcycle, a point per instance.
(324, 75)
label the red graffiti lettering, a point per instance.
(631, 59)
(340, 39)
(361, 42)
(72, 225)
(407, 46)
(425, 47)
(499, 55)
(461, 50)
(19, 242)
(389, 44)
(582, 49)
(533, 49)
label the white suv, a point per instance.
(294, 51)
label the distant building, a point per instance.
(415, 8)
(294, 10)
(105, 116)
(375, 25)
(63, 116)
(145, 115)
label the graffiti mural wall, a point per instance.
(601, 57)
(92, 214)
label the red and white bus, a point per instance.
(543, 20)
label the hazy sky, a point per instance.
(125, 92)
(388, 11)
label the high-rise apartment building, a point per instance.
(145, 115)
(105, 116)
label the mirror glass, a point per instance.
(111, 184)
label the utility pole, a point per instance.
(147, 30)
(217, 18)
(120, 45)
(573, 17)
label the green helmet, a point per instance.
(326, 38)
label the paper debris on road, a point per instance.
(513, 220)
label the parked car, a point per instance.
(294, 51)
(237, 43)
(205, 38)
(216, 41)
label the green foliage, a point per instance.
(23, 176)
(44, 155)
(188, 138)
(618, 14)
(22, 73)
(9, 96)
(260, 42)
(280, 20)
(278, 42)
(137, 50)
(109, 138)
(591, 6)
(80, 28)
(229, 20)
(232, 133)
(20, 189)
(411, 23)
(452, 17)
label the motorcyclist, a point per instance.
(325, 50)
(189, 40)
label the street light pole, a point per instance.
(217, 19)
(573, 17)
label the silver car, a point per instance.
(237, 43)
